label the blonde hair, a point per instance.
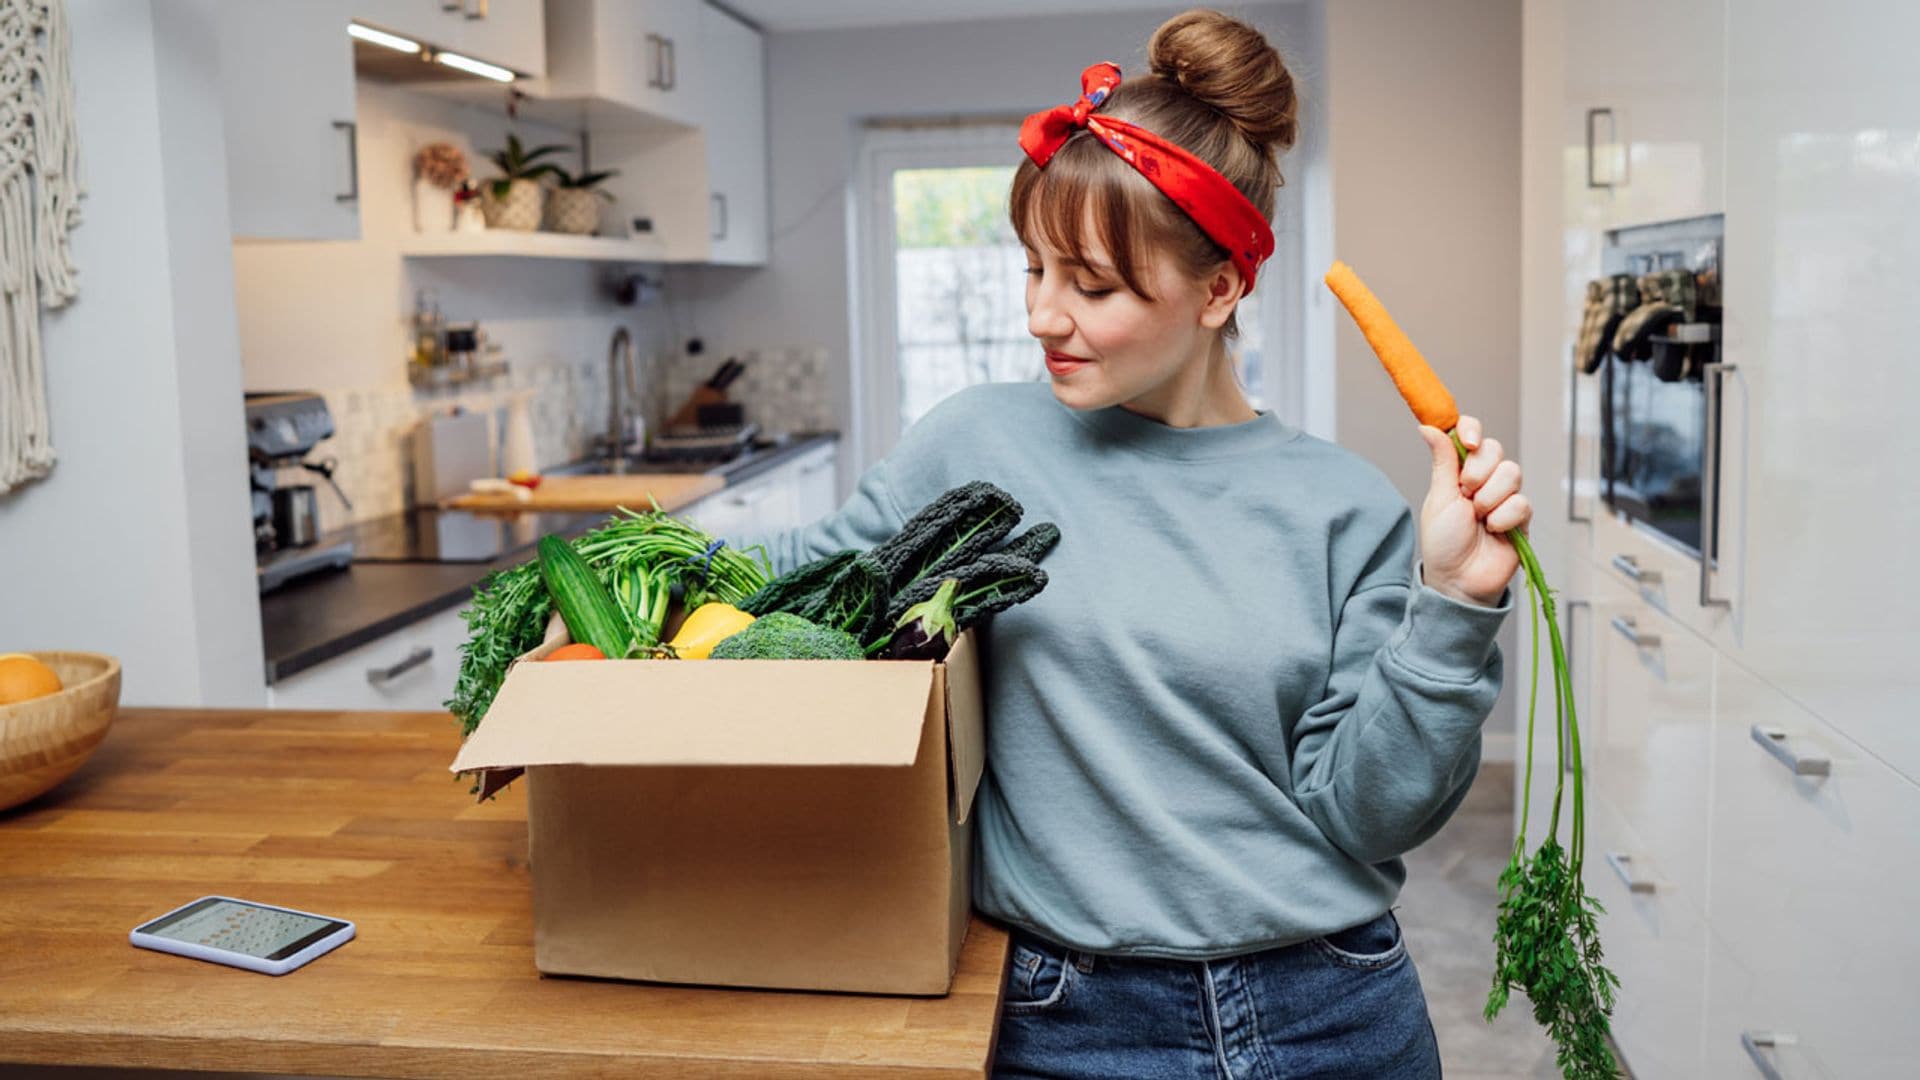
(1217, 88)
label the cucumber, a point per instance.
(584, 602)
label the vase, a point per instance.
(573, 210)
(519, 210)
(432, 207)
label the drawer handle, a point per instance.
(381, 676)
(1775, 740)
(1757, 1043)
(1630, 630)
(1622, 866)
(816, 467)
(748, 498)
(1631, 567)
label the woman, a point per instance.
(1239, 700)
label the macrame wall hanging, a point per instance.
(39, 206)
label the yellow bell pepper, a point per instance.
(707, 626)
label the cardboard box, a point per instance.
(798, 824)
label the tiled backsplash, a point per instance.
(782, 389)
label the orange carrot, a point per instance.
(1415, 379)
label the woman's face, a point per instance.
(1129, 348)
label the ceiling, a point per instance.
(776, 16)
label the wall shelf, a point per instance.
(504, 243)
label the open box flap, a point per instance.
(966, 726)
(704, 712)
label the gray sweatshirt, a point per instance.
(1234, 706)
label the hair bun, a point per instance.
(1231, 67)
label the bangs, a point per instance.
(1050, 209)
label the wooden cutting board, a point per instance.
(598, 493)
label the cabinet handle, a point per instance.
(1757, 1043)
(1620, 863)
(1631, 631)
(1775, 741)
(1631, 567)
(381, 676)
(656, 63)
(671, 80)
(352, 194)
(1592, 115)
(809, 470)
(453, 5)
(749, 497)
(1710, 484)
(720, 214)
(1573, 438)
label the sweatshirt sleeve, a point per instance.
(1383, 760)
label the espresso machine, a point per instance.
(281, 428)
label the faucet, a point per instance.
(619, 355)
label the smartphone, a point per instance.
(257, 937)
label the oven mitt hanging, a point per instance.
(1634, 339)
(1617, 296)
(1592, 317)
(1673, 360)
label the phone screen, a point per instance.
(249, 929)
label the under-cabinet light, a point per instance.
(476, 67)
(381, 37)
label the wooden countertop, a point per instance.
(355, 815)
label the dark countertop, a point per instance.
(310, 621)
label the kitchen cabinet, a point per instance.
(625, 64)
(690, 144)
(1645, 111)
(287, 99)
(510, 33)
(733, 109)
(1813, 885)
(413, 668)
(798, 492)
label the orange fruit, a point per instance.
(576, 651)
(23, 678)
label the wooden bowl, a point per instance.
(43, 740)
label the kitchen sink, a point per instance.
(754, 451)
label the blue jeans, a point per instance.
(1347, 1005)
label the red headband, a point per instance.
(1214, 204)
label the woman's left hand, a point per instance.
(1469, 505)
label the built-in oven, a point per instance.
(1651, 335)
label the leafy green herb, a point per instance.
(1546, 943)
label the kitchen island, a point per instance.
(354, 815)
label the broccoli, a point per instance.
(781, 635)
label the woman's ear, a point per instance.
(1223, 295)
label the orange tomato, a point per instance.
(579, 650)
(23, 678)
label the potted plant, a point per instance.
(438, 169)
(512, 200)
(574, 205)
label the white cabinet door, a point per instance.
(815, 487)
(1822, 267)
(760, 505)
(286, 80)
(511, 33)
(641, 57)
(1814, 886)
(1646, 110)
(413, 668)
(733, 103)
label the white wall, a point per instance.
(140, 542)
(1424, 130)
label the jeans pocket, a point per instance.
(1369, 946)
(1036, 975)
